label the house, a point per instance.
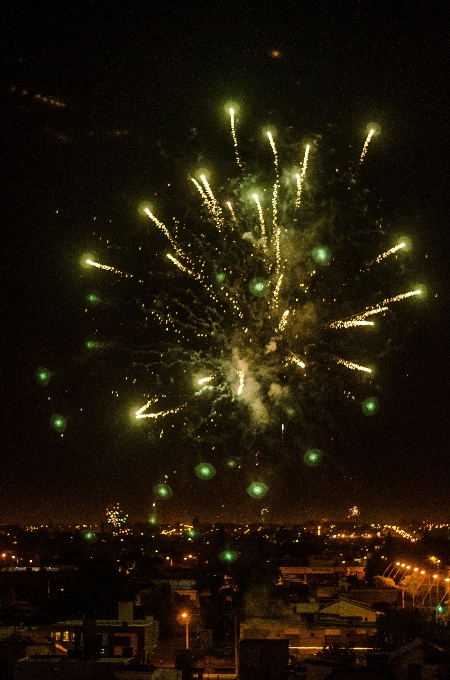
(326, 577)
(67, 636)
(91, 650)
(418, 660)
(24, 644)
(350, 608)
(122, 637)
(126, 636)
(344, 622)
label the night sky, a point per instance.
(143, 88)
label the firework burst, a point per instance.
(261, 310)
(115, 516)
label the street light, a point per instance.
(389, 568)
(423, 574)
(185, 618)
(400, 566)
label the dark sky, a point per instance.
(143, 84)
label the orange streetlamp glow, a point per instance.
(185, 618)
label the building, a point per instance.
(326, 578)
(128, 637)
(122, 637)
(418, 660)
(263, 659)
(343, 607)
(343, 622)
(92, 650)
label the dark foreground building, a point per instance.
(263, 659)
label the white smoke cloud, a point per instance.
(278, 392)
(271, 347)
(251, 391)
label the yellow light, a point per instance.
(276, 291)
(402, 296)
(283, 321)
(351, 323)
(295, 360)
(203, 381)
(107, 268)
(233, 134)
(391, 251)
(140, 413)
(211, 202)
(233, 215)
(381, 307)
(276, 230)
(355, 367)
(274, 149)
(261, 222)
(241, 375)
(358, 317)
(366, 145)
(300, 177)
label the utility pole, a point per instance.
(236, 641)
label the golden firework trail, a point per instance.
(274, 149)
(235, 144)
(276, 230)
(354, 320)
(201, 192)
(210, 201)
(352, 323)
(261, 222)
(241, 375)
(107, 268)
(233, 215)
(276, 292)
(140, 413)
(283, 321)
(189, 267)
(382, 256)
(294, 359)
(366, 145)
(215, 208)
(167, 234)
(301, 176)
(402, 296)
(352, 366)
